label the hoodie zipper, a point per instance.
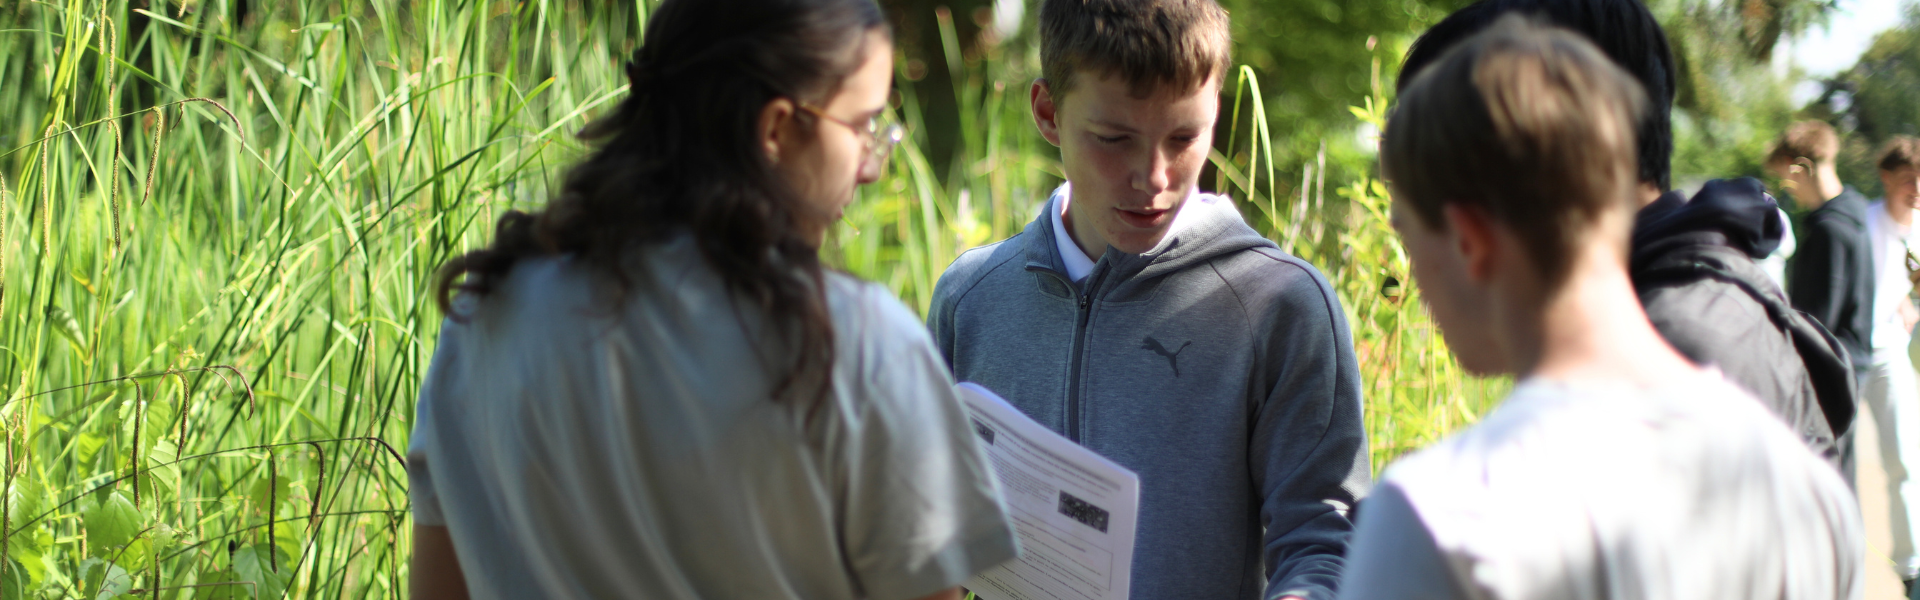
(1079, 356)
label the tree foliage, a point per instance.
(1317, 58)
(1874, 100)
(1729, 101)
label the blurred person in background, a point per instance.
(1830, 276)
(1693, 260)
(654, 389)
(1616, 468)
(1888, 383)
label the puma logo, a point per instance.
(1173, 358)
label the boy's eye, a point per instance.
(1110, 140)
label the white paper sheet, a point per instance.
(1074, 510)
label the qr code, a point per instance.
(986, 433)
(1084, 512)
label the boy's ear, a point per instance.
(1046, 115)
(773, 118)
(1475, 239)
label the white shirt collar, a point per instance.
(1079, 265)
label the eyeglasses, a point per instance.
(881, 135)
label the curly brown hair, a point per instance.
(679, 156)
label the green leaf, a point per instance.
(87, 444)
(268, 491)
(64, 324)
(221, 584)
(16, 581)
(163, 537)
(24, 502)
(160, 419)
(137, 555)
(113, 522)
(28, 543)
(162, 452)
(266, 566)
(83, 281)
(107, 579)
(30, 551)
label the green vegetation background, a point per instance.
(219, 220)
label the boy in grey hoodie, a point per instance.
(1146, 321)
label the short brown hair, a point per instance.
(1903, 151)
(1811, 140)
(1532, 124)
(1182, 43)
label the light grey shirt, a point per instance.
(1592, 491)
(582, 446)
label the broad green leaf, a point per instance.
(158, 456)
(113, 522)
(222, 584)
(266, 566)
(28, 544)
(16, 581)
(137, 556)
(163, 537)
(104, 580)
(268, 491)
(87, 444)
(30, 552)
(162, 423)
(24, 502)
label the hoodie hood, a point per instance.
(1215, 366)
(1736, 213)
(1693, 266)
(1210, 226)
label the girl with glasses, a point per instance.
(654, 389)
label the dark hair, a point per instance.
(1531, 124)
(1811, 140)
(1181, 43)
(1624, 29)
(680, 155)
(1900, 152)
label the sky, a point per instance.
(1823, 52)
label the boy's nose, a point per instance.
(1154, 178)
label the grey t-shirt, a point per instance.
(1598, 491)
(577, 447)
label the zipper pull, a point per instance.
(1085, 300)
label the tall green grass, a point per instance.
(217, 237)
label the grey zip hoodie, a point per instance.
(1216, 366)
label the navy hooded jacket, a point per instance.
(1693, 266)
